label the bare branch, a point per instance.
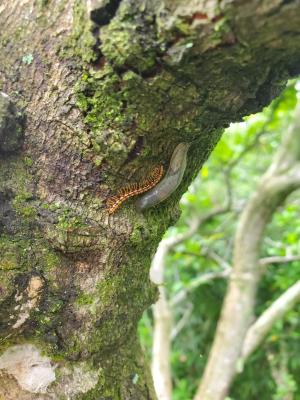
(224, 273)
(273, 243)
(278, 260)
(157, 270)
(200, 280)
(157, 265)
(160, 366)
(217, 259)
(281, 179)
(257, 331)
(161, 310)
(210, 254)
(182, 322)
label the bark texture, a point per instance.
(109, 88)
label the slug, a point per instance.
(170, 182)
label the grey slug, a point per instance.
(170, 181)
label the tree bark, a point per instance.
(108, 89)
(282, 178)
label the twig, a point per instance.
(278, 260)
(217, 259)
(257, 331)
(182, 322)
(157, 267)
(200, 280)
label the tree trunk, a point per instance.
(108, 89)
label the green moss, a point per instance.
(122, 46)
(103, 102)
(120, 375)
(28, 161)
(85, 299)
(14, 253)
(16, 180)
(81, 41)
(183, 27)
(50, 258)
(19, 259)
(9, 254)
(67, 221)
(42, 3)
(127, 287)
(22, 206)
(8, 261)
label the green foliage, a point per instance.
(242, 156)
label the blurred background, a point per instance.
(196, 257)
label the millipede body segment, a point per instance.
(114, 202)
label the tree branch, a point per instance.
(157, 269)
(161, 347)
(282, 178)
(161, 310)
(278, 260)
(182, 322)
(195, 283)
(260, 328)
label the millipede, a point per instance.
(114, 202)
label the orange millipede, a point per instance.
(114, 202)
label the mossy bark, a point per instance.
(109, 89)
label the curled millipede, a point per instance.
(114, 202)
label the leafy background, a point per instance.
(241, 157)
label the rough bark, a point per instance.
(282, 178)
(11, 126)
(108, 90)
